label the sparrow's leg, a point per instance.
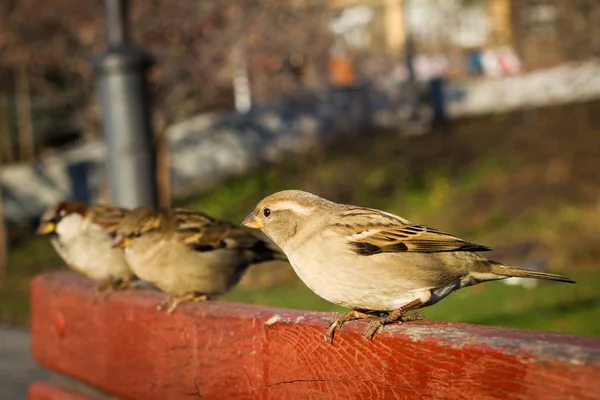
(171, 302)
(109, 286)
(394, 316)
(103, 290)
(123, 284)
(339, 322)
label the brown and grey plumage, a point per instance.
(82, 236)
(370, 260)
(188, 254)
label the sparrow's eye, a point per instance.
(267, 212)
(136, 234)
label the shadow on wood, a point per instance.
(48, 391)
(222, 350)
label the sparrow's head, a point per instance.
(64, 218)
(137, 222)
(281, 215)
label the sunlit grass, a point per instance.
(551, 306)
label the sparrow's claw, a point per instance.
(165, 303)
(381, 322)
(106, 288)
(413, 317)
(338, 323)
(172, 307)
(171, 303)
(395, 316)
(102, 290)
(99, 294)
(373, 328)
(331, 331)
(122, 284)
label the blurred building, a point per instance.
(474, 34)
(549, 32)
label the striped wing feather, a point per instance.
(108, 217)
(204, 233)
(372, 231)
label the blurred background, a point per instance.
(476, 117)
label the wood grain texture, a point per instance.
(48, 391)
(221, 350)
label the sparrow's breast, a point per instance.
(380, 282)
(90, 253)
(178, 270)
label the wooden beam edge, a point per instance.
(48, 391)
(269, 341)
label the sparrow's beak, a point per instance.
(120, 241)
(252, 221)
(46, 228)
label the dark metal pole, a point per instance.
(413, 90)
(409, 55)
(126, 122)
(116, 23)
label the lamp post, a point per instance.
(126, 122)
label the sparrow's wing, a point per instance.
(107, 217)
(372, 231)
(202, 233)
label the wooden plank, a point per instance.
(49, 391)
(220, 350)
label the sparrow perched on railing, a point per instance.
(188, 254)
(82, 235)
(372, 261)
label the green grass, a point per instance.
(550, 306)
(26, 258)
(294, 295)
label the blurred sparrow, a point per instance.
(82, 236)
(372, 261)
(188, 254)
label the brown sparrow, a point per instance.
(188, 254)
(82, 235)
(372, 261)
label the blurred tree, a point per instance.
(3, 242)
(549, 32)
(44, 49)
(192, 42)
(6, 145)
(24, 117)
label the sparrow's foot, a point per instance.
(103, 290)
(395, 316)
(172, 302)
(338, 323)
(123, 284)
(413, 317)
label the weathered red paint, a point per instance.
(48, 391)
(221, 350)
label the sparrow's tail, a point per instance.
(502, 270)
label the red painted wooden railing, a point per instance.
(222, 350)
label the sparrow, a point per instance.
(188, 254)
(378, 264)
(82, 235)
